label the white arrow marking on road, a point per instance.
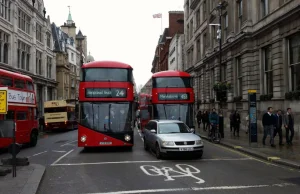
(69, 143)
(39, 153)
(195, 189)
(59, 151)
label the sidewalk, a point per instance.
(27, 180)
(284, 155)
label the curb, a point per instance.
(272, 159)
(34, 180)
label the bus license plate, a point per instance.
(186, 149)
(105, 143)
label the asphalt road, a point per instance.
(70, 170)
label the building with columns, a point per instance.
(26, 45)
(260, 51)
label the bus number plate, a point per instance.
(105, 143)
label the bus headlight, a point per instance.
(127, 138)
(83, 139)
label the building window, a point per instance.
(212, 82)
(48, 39)
(188, 33)
(49, 67)
(23, 55)
(204, 45)
(38, 62)
(224, 72)
(39, 7)
(225, 19)
(264, 8)
(50, 94)
(239, 76)
(294, 55)
(24, 21)
(198, 50)
(204, 11)
(191, 28)
(39, 32)
(5, 9)
(268, 67)
(4, 47)
(72, 56)
(198, 18)
(240, 13)
(213, 36)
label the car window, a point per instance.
(166, 128)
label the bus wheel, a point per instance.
(33, 138)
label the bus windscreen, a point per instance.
(55, 109)
(172, 82)
(106, 74)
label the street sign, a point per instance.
(252, 116)
(3, 100)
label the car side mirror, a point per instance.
(192, 130)
(153, 131)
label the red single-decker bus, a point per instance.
(106, 105)
(173, 96)
(21, 108)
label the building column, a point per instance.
(2, 52)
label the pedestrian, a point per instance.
(231, 120)
(236, 123)
(214, 121)
(199, 118)
(268, 124)
(278, 126)
(289, 126)
(205, 120)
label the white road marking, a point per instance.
(194, 189)
(69, 143)
(54, 163)
(150, 161)
(39, 153)
(183, 170)
(59, 151)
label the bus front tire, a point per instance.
(33, 138)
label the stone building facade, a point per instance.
(260, 50)
(26, 45)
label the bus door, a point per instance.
(23, 123)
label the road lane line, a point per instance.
(54, 163)
(39, 153)
(150, 161)
(196, 189)
(69, 143)
(59, 151)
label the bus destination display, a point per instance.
(173, 96)
(105, 93)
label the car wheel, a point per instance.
(33, 138)
(145, 145)
(157, 152)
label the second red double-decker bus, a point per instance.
(173, 96)
(106, 105)
(21, 108)
(144, 102)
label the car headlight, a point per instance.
(198, 142)
(168, 143)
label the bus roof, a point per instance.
(171, 73)
(107, 64)
(16, 75)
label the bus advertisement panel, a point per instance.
(106, 105)
(21, 108)
(173, 96)
(59, 115)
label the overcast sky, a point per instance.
(120, 30)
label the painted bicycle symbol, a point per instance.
(183, 170)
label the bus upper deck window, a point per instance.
(29, 86)
(19, 84)
(6, 81)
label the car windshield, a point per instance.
(166, 128)
(106, 117)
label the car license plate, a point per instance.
(105, 143)
(186, 149)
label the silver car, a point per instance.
(171, 137)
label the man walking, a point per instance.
(214, 121)
(289, 126)
(268, 122)
(278, 126)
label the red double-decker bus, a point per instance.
(173, 96)
(21, 108)
(144, 102)
(106, 105)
